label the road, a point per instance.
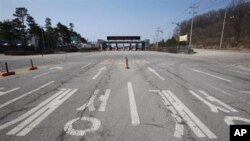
(92, 97)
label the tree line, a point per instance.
(23, 28)
(207, 28)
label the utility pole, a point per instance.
(192, 22)
(223, 27)
(43, 41)
(158, 30)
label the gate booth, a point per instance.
(123, 42)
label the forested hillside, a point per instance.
(207, 28)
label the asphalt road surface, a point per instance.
(92, 97)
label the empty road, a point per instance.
(92, 97)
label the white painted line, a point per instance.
(85, 65)
(40, 75)
(229, 120)
(179, 128)
(211, 98)
(237, 71)
(104, 99)
(90, 103)
(99, 72)
(212, 107)
(9, 91)
(30, 123)
(24, 116)
(247, 92)
(154, 71)
(51, 107)
(218, 89)
(212, 75)
(26, 94)
(133, 108)
(58, 68)
(198, 127)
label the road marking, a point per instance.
(237, 71)
(219, 90)
(90, 103)
(212, 75)
(40, 75)
(197, 126)
(9, 91)
(133, 109)
(26, 94)
(213, 108)
(213, 99)
(24, 116)
(56, 68)
(229, 120)
(85, 65)
(158, 75)
(247, 92)
(68, 128)
(104, 99)
(31, 122)
(99, 72)
(179, 127)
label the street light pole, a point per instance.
(192, 22)
(223, 27)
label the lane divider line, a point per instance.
(154, 71)
(133, 108)
(85, 65)
(9, 91)
(99, 72)
(227, 80)
(40, 75)
(26, 94)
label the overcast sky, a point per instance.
(96, 19)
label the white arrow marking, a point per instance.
(6, 92)
(153, 71)
(99, 72)
(104, 99)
